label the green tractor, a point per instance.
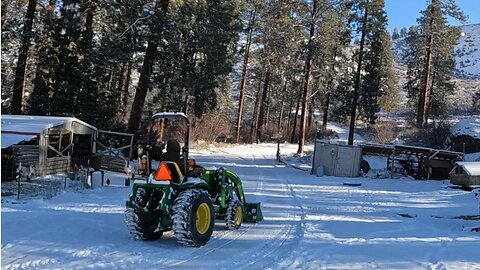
(184, 197)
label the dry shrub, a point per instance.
(213, 127)
(385, 132)
(325, 133)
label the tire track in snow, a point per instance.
(289, 234)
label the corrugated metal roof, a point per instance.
(36, 124)
(17, 128)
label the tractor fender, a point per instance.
(193, 183)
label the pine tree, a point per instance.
(332, 61)
(251, 18)
(378, 79)
(363, 20)
(218, 32)
(431, 64)
(14, 36)
(17, 97)
(159, 14)
(39, 102)
(389, 91)
(395, 34)
(373, 63)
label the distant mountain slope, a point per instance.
(467, 52)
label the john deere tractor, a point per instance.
(182, 196)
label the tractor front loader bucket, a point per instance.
(252, 212)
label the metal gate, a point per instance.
(113, 151)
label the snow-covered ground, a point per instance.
(310, 223)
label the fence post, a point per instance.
(19, 176)
(67, 170)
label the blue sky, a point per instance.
(404, 13)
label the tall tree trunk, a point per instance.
(424, 101)
(432, 82)
(19, 81)
(325, 111)
(306, 82)
(4, 11)
(310, 113)
(282, 107)
(185, 103)
(280, 117)
(254, 124)
(356, 87)
(89, 20)
(294, 127)
(147, 68)
(263, 104)
(290, 108)
(329, 91)
(124, 86)
(243, 82)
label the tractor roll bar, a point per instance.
(185, 148)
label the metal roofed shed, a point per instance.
(46, 142)
(465, 174)
(336, 159)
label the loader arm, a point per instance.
(252, 212)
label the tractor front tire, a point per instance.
(142, 226)
(139, 221)
(234, 217)
(193, 217)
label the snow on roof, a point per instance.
(17, 128)
(36, 124)
(169, 114)
(11, 139)
(472, 168)
(468, 126)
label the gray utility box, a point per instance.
(337, 159)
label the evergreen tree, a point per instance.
(395, 34)
(333, 60)
(389, 91)
(17, 97)
(158, 14)
(432, 62)
(378, 79)
(39, 102)
(372, 62)
(251, 10)
(15, 37)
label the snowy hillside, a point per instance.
(469, 127)
(467, 52)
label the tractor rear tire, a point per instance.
(234, 217)
(193, 217)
